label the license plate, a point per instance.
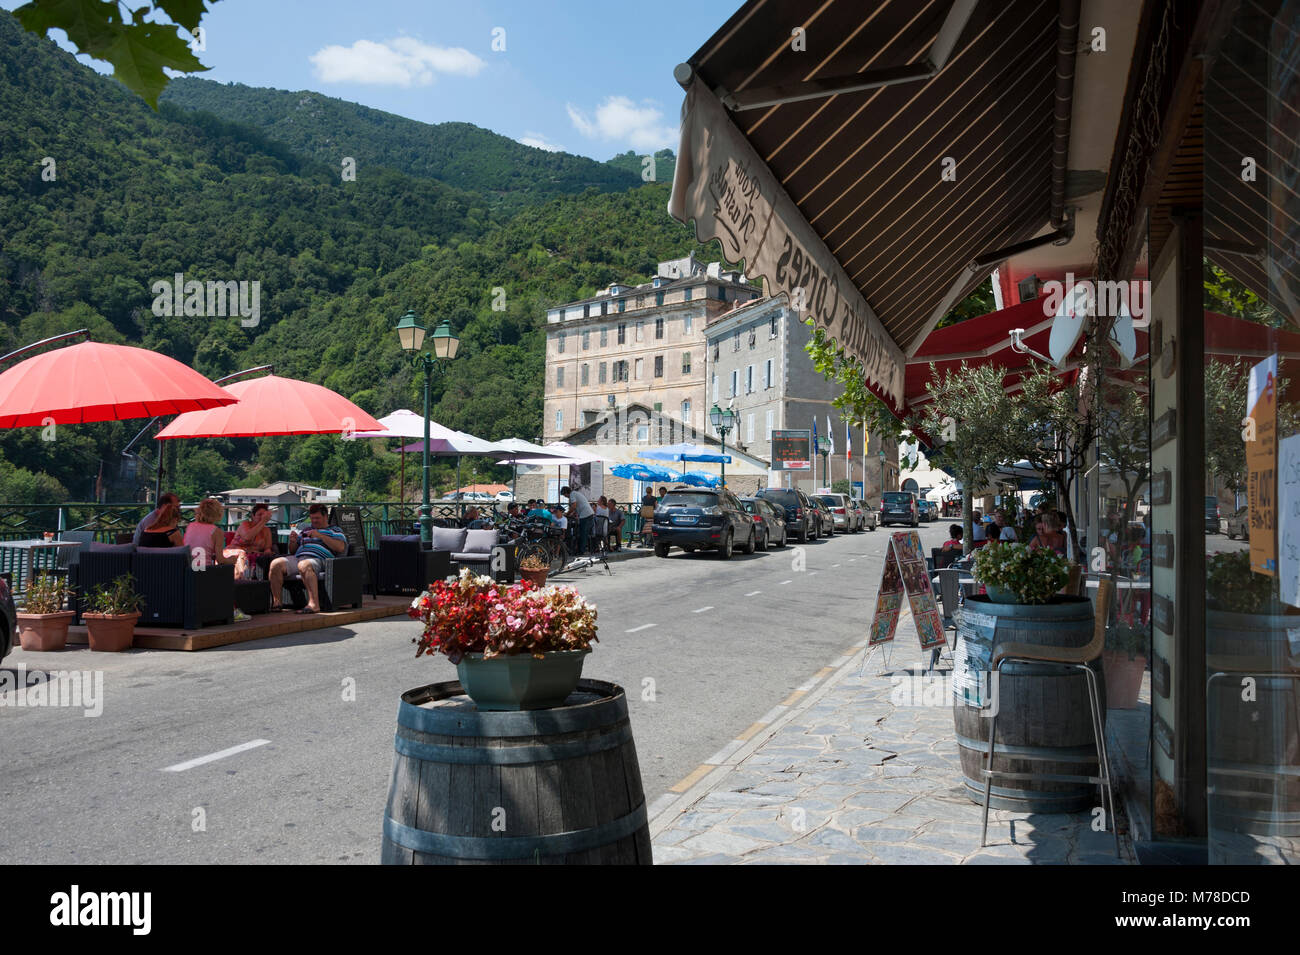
(685, 520)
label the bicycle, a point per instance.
(537, 539)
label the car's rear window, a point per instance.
(831, 500)
(687, 499)
(749, 506)
(897, 497)
(785, 497)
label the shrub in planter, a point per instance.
(1013, 573)
(111, 612)
(534, 569)
(1125, 661)
(43, 623)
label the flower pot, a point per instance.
(535, 577)
(520, 681)
(1123, 678)
(1001, 595)
(110, 633)
(44, 631)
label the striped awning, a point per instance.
(881, 202)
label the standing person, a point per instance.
(581, 511)
(163, 501)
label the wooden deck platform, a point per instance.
(260, 626)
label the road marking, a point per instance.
(792, 697)
(753, 593)
(699, 773)
(644, 626)
(722, 755)
(702, 609)
(749, 733)
(787, 581)
(852, 559)
(834, 565)
(772, 714)
(812, 573)
(212, 757)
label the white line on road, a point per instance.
(852, 559)
(702, 609)
(753, 593)
(644, 626)
(812, 573)
(212, 757)
(834, 565)
(787, 581)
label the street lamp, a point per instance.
(445, 345)
(882, 472)
(723, 420)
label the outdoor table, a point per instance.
(30, 547)
(1128, 592)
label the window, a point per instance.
(767, 375)
(715, 387)
(659, 366)
(604, 337)
(749, 379)
(559, 377)
(559, 420)
(620, 371)
(640, 369)
(659, 298)
(687, 320)
(586, 338)
(771, 328)
(686, 363)
(640, 331)
(686, 411)
(722, 294)
(622, 304)
(688, 296)
(771, 424)
(749, 429)
(586, 375)
(560, 342)
(622, 333)
(735, 383)
(753, 336)
(735, 342)
(600, 374)
(659, 328)
(643, 432)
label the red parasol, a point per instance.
(95, 381)
(274, 405)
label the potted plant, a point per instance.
(1017, 574)
(515, 647)
(534, 568)
(1244, 620)
(111, 612)
(43, 623)
(1124, 660)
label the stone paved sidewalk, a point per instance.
(852, 776)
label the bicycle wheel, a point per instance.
(532, 549)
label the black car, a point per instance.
(694, 518)
(8, 619)
(827, 526)
(799, 519)
(769, 518)
(899, 507)
(1212, 515)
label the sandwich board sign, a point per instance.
(905, 574)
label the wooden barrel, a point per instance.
(560, 785)
(1254, 744)
(1042, 711)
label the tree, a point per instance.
(1122, 439)
(1225, 406)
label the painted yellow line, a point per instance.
(824, 672)
(749, 733)
(792, 697)
(692, 779)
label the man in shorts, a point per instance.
(307, 555)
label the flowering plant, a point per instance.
(474, 614)
(1034, 575)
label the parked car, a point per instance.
(1239, 524)
(927, 510)
(1211, 514)
(504, 497)
(769, 518)
(899, 507)
(702, 519)
(799, 519)
(842, 515)
(866, 514)
(8, 619)
(827, 526)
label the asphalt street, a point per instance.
(703, 647)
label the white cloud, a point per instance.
(538, 140)
(620, 120)
(404, 61)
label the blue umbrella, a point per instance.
(684, 452)
(701, 479)
(645, 472)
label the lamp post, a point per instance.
(723, 420)
(882, 472)
(445, 345)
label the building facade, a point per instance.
(636, 343)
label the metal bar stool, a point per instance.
(1075, 658)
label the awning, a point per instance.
(882, 157)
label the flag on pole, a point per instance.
(848, 442)
(830, 434)
(815, 449)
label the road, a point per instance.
(704, 648)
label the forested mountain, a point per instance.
(100, 197)
(459, 154)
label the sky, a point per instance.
(591, 78)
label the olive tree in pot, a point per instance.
(111, 612)
(43, 623)
(1124, 661)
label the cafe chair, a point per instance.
(1075, 658)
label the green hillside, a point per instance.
(459, 154)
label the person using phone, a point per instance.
(308, 552)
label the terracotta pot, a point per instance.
(44, 631)
(110, 633)
(1123, 678)
(536, 577)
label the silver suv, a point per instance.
(838, 505)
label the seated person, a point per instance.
(307, 555)
(203, 536)
(978, 535)
(538, 511)
(474, 520)
(616, 518)
(163, 532)
(252, 537)
(1049, 534)
(163, 501)
(954, 538)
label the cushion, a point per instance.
(182, 550)
(480, 541)
(449, 538)
(472, 557)
(97, 547)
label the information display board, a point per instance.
(905, 573)
(792, 450)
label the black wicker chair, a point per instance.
(178, 595)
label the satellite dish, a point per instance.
(1123, 338)
(1068, 324)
